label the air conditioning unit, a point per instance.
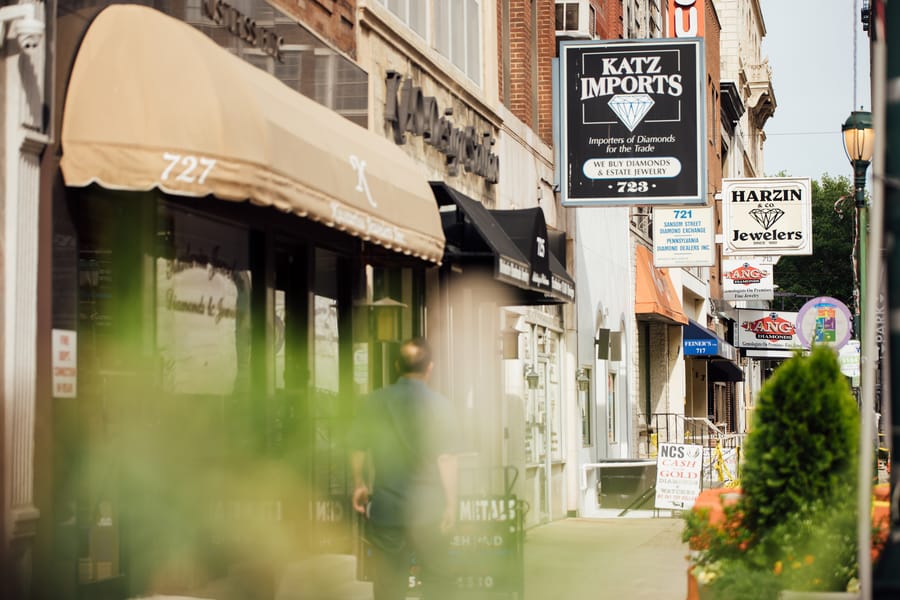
(575, 19)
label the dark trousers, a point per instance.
(394, 549)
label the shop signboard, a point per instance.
(486, 545)
(767, 330)
(64, 347)
(684, 237)
(686, 18)
(767, 216)
(678, 471)
(633, 122)
(824, 320)
(848, 358)
(747, 278)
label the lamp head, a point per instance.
(531, 377)
(859, 137)
(582, 379)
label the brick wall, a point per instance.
(609, 19)
(523, 56)
(521, 92)
(546, 50)
(333, 20)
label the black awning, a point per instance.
(528, 229)
(474, 236)
(723, 370)
(562, 283)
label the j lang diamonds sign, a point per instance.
(632, 122)
(771, 216)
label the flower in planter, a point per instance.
(794, 526)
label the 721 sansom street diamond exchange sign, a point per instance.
(633, 122)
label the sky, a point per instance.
(809, 44)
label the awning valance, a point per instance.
(154, 103)
(723, 370)
(655, 298)
(699, 341)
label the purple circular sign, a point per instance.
(824, 320)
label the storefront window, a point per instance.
(203, 287)
(543, 407)
(328, 409)
(456, 25)
(554, 405)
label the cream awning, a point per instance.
(154, 103)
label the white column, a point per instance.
(24, 142)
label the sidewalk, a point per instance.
(600, 559)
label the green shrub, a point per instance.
(802, 445)
(814, 548)
(743, 580)
(794, 527)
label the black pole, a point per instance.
(886, 576)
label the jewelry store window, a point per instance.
(149, 456)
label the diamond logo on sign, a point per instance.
(766, 216)
(631, 108)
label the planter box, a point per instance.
(788, 595)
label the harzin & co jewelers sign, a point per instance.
(771, 216)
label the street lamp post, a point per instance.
(859, 144)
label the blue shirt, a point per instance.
(405, 426)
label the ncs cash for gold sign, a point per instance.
(771, 216)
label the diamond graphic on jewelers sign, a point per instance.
(631, 108)
(766, 216)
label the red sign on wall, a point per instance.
(686, 18)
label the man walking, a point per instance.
(405, 477)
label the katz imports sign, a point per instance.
(767, 330)
(633, 122)
(747, 279)
(771, 216)
(683, 237)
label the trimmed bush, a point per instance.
(803, 443)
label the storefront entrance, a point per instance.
(210, 273)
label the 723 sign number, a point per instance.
(632, 187)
